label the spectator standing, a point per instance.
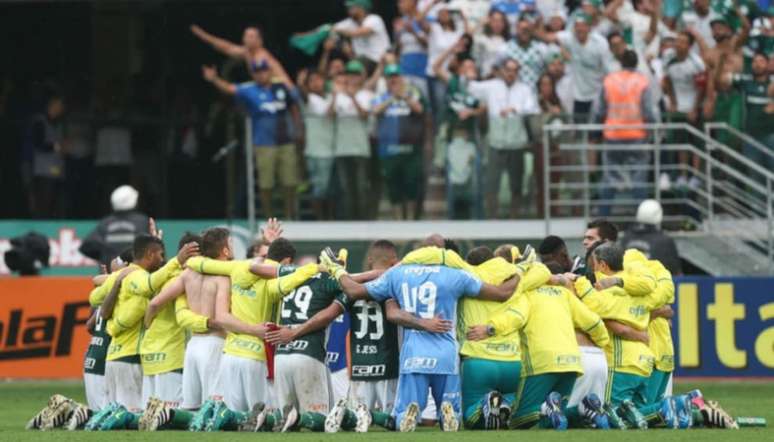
(116, 232)
(699, 20)
(47, 162)
(562, 82)
(646, 236)
(401, 131)
(351, 107)
(365, 30)
(319, 124)
(508, 101)
(530, 53)
(626, 99)
(682, 72)
(268, 105)
(442, 35)
(490, 45)
(411, 37)
(590, 61)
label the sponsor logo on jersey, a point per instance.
(294, 345)
(420, 363)
(154, 357)
(369, 370)
(332, 357)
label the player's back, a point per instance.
(201, 291)
(427, 292)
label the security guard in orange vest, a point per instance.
(626, 99)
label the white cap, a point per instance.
(124, 198)
(650, 212)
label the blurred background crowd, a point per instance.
(358, 109)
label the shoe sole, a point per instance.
(334, 418)
(149, 414)
(290, 420)
(409, 422)
(57, 417)
(450, 421)
(363, 419)
(491, 412)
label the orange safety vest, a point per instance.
(623, 96)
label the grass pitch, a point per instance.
(21, 400)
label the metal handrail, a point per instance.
(745, 194)
(739, 134)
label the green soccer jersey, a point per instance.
(373, 342)
(303, 303)
(94, 362)
(758, 122)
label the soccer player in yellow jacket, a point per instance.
(123, 308)
(547, 318)
(244, 313)
(631, 361)
(490, 366)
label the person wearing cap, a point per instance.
(268, 106)
(402, 130)
(646, 236)
(590, 61)
(366, 31)
(116, 232)
(508, 100)
(351, 108)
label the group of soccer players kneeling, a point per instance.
(502, 339)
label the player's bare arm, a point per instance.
(626, 332)
(319, 321)
(168, 294)
(222, 45)
(665, 312)
(230, 323)
(403, 318)
(501, 292)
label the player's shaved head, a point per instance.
(382, 254)
(504, 251)
(479, 255)
(436, 239)
(214, 241)
(144, 244)
(553, 248)
(281, 249)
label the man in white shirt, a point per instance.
(319, 125)
(700, 20)
(366, 31)
(590, 61)
(508, 101)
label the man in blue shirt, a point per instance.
(269, 105)
(428, 361)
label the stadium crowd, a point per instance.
(501, 339)
(448, 97)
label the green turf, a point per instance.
(20, 400)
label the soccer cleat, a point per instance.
(149, 414)
(505, 415)
(97, 418)
(696, 398)
(364, 418)
(289, 418)
(116, 420)
(668, 413)
(79, 417)
(51, 415)
(334, 418)
(491, 410)
(409, 421)
(251, 424)
(613, 418)
(717, 417)
(37, 420)
(449, 421)
(552, 408)
(221, 416)
(200, 419)
(593, 413)
(683, 411)
(161, 417)
(633, 415)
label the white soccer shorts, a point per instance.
(302, 381)
(96, 390)
(124, 384)
(242, 382)
(339, 384)
(165, 386)
(594, 378)
(376, 395)
(202, 362)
